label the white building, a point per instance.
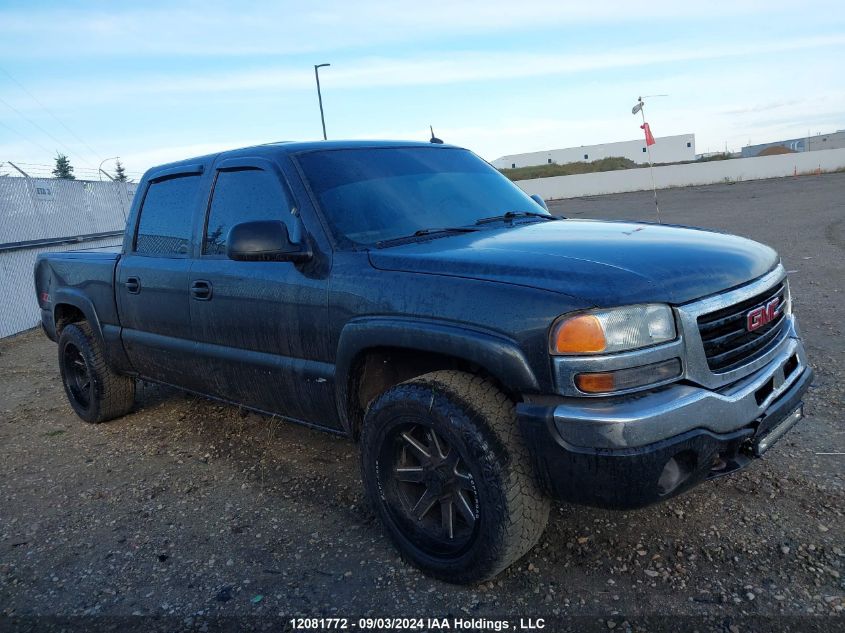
(666, 149)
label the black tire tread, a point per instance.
(114, 394)
(522, 520)
(528, 508)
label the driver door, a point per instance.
(256, 322)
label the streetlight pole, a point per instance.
(320, 96)
(100, 171)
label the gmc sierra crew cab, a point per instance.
(486, 355)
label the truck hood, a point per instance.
(602, 263)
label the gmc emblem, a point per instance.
(761, 315)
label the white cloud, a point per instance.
(434, 69)
(278, 28)
(463, 57)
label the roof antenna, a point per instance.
(434, 139)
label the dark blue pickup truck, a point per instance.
(487, 355)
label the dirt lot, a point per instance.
(187, 508)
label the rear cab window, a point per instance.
(164, 226)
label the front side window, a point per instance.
(378, 194)
(164, 228)
(242, 195)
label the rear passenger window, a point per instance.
(242, 195)
(165, 225)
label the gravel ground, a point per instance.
(190, 509)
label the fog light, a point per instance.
(676, 471)
(623, 379)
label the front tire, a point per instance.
(94, 391)
(446, 470)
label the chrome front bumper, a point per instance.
(644, 418)
(624, 475)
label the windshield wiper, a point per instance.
(510, 215)
(449, 230)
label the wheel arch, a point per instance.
(375, 354)
(72, 307)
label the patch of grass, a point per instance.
(611, 163)
(708, 159)
(55, 433)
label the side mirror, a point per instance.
(264, 241)
(539, 201)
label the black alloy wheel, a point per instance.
(428, 488)
(77, 376)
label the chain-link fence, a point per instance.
(40, 215)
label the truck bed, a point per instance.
(86, 275)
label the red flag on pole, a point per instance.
(649, 139)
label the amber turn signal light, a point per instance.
(580, 334)
(595, 383)
(630, 378)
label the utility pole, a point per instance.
(30, 187)
(18, 169)
(320, 96)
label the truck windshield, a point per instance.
(374, 195)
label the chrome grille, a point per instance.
(727, 342)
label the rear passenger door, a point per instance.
(257, 323)
(152, 280)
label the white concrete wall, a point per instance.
(683, 175)
(666, 149)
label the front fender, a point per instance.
(500, 356)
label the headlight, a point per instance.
(613, 330)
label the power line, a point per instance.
(26, 138)
(33, 123)
(38, 170)
(90, 169)
(43, 107)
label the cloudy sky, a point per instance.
(153, 82)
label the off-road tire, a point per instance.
(472, 414)
(111, 395)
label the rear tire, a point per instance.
(446, 470)
(95, 392)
